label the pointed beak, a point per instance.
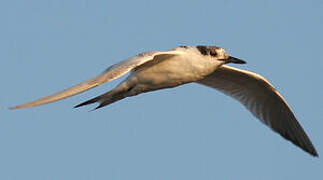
(234, 60)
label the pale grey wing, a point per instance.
(111, 73)
(263, 100)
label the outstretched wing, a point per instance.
(110, 74)
(262, 99)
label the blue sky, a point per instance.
(190, 132)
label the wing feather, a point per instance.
(109, 74)
(262, 100)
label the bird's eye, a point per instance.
(213, 54)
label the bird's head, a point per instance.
(219, 54)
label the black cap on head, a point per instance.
(208, 50)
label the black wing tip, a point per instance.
(313, 152)
(306, 145)
(309, 148)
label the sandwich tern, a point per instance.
(204, 65)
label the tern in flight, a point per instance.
(204, 65)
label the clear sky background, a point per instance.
(191, 132)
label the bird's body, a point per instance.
(201, 64)
(167, 71)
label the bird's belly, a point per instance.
(170, 73)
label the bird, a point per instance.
(205, 65)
